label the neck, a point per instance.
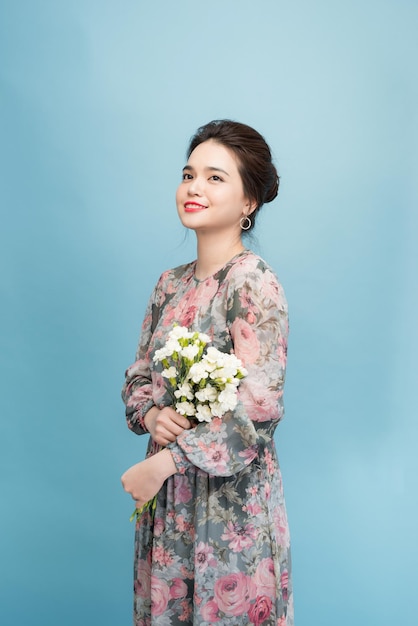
(213, 252)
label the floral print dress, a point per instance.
(217, 550)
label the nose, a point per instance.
(195, 187)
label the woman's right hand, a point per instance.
(165, 425)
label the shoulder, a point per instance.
(251, 262)
(253, 274)
(171, 279)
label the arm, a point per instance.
(146, 478)
(137, 389)
(142, 415)
(256, 315)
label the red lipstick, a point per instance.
(193, 207)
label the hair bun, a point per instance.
(272, 189)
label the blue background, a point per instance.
(98, 100)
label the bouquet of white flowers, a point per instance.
(203, 384)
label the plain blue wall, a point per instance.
(98, 99)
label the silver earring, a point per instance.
(245, 222)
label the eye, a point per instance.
(186, 176)
(216, 178)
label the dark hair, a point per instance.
(258, 174)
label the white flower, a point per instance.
(228, 400)
(197, 372)
(214, 355)
(184, 390)
(216, 409)
(207, 394)
(186, 408)
(179, 332)
(230, 387)
(171, 372)
(160, 354)
(231, 360)
(171, 346)
(203, 338)
(203, 413)
(189, 352)
(208, 364)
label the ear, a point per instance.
(251, 206)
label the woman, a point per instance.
(216, 550)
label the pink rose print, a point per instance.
(158, 526)
(204, 557)
(181, 524)
(182, 492)
(246, 300)
(209, 612)
(215, 425)
(217, 456)
(249, 454)
(253, 508)
(281, 528)
(239, 537)
(143, 580)
(267, 490)
(161, 556)
(269, 461)
(187, 611)
(160, 595)
(261, 403)
(141, 394)
(270, 287)
(233, 593)
(170, 288)
(158, 388)
(178, 589)
(265, 578)
(186, 309)
(170, 316)
(281, 621)
(246, 345)
(260, 610)
(186, 318)
(206, 292)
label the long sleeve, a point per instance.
(257, 322)
(137, 389)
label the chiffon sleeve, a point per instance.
(257, 322)
(137, 389)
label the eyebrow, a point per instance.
(189, 168)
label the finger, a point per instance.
(137, 500)
(180, 420)
(164, 435)
(173, 430)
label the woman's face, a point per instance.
(211, 195)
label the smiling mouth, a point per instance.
(192, 207)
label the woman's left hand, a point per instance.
(144, 480)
